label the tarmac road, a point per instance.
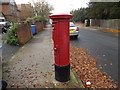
(8, 50)
(102, 45)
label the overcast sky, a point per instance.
(61, 6)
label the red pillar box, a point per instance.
(60, 35)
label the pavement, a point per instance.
(32, 66)
(103, 46)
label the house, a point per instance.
(26, 11)
(9, 10)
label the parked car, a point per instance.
(5, 25)
(74, 30)
(2, 19)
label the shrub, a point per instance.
(12, 35)
(29, 19)
(40, 18)
(37, 18)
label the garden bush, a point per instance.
(37, 18)
(12, 35)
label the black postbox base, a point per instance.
(62, 73)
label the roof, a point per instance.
(12, 2)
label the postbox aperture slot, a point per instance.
(54, 21)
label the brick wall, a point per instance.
(6, 9)
(39, 26)
(24, 33)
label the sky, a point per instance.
(61, 6)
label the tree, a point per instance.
(42, 8)
(79, 15)
(97, 10)
(103, 10)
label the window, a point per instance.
(2, 20)
(72, 25)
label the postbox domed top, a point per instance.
(61, 15)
